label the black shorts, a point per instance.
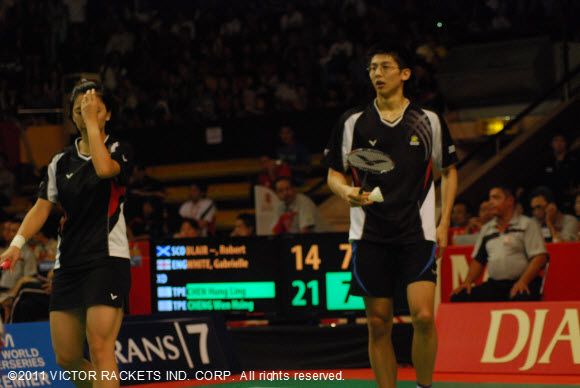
(379, 269)
(108, 283)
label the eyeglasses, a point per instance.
(383, 66)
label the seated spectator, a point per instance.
(512, 247)
(142, 185)
(297, 213)
(188, 229)
(558, 174)
(476, 223)
(245, 226)
(296, 155)
(23, 269)
(556, 226)
(28, 299)
(460, 215)
(271, 171)
(469, 234)
(200, 209)
(7, 181)
(4, 233)
(44, 247)
(31, 292)
(459, 220)
(148, 224)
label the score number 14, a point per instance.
(313, 257)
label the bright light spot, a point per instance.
(494, 126)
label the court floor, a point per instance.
(371, 384)
(363, 378)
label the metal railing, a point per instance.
(501, 138)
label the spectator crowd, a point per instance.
(223, 59)
(179, 62)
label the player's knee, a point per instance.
(379, 326)
(101, 350)
(423, 320)
(68, 361)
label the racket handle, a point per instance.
(362, 185)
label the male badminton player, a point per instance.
(92, 271)
(395, 240)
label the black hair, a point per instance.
(507, 190)
(85, 85)
(201, 186)
(284, 178)
(562, 135)
(400, 54)
(542, 191)
(248, 219)
(468, 207)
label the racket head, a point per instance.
(370, 160)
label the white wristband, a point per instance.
(18, 241)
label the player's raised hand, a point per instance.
(90, 106)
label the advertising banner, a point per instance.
(530, 338)
(147, 350)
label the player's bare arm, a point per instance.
(448, 193)
(32, 223)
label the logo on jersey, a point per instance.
(113, 296)
(68, 176)
(451, 149)
(373, 142)
(114, 146)
(124, 158)
(414, 140)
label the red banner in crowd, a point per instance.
(531, 338)
(140, 296)
(561, 282)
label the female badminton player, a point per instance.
(92, 270)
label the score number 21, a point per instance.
(313, 257)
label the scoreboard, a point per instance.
(294, 275)
(237, 275)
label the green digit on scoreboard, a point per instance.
(299, 299)
(337, 297)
